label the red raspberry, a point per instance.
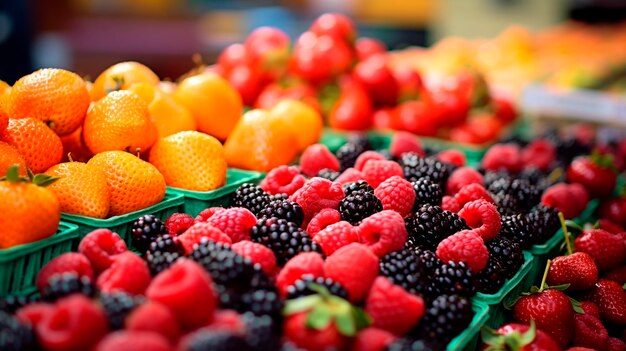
(461, 177)
(466, 246)
(207, 213)
(187, 290)
(283, 180)
(589, 332)
(590, 308)
(235, 222)
(316, 195)
(449, 203)
(453, 157)
(581, 196)
(154, 317)
(617, 274)
(560, 197)
(383, 232)
(336, 236)
(128, 273)
(355, 267)
(606, 249)
(257, 253)
(350, 175)
(392, 308)
(396, 194)
(178, 223)
(303, 263)
(74, 323)
(503, 157)
(540, 153)
(472, 192)
(402, 142)
(228, 320)
(367, 156)
(615, 344)
(317, 157)
(201, 230)
(377, 171)
(100, 246)
(372, 339)
(296, 330)
(322, 220)
(133, 341)
(67, 262)
(34, 313)
(482, 217)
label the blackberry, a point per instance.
(545, 221)
(10, 304)
(163, 252)
(453, 278)
(359, 205)
(262, 332)
(14, 335)
(535, 177)
(329, 174)
(279, 197)
(144, 230)
(64, 284)
(491, 278)
(445, 318)
(430, 225)
(491, 177)
(404, 268)
(410, 344)
(416, 167)
(518, 229)
(348, 153)
(284, 238)
(429, 261)
(361, 140)
(526, 194)
(349, 188)
(301, 287)
(261, 302)
(508, 253)
(215, 340)
(252, 197)
(117, 306)
(426, 193)
(284, 209)
(569, 148)
(507, 204)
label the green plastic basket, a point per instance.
(121, 224)
(196, 201)
(469, 339)
(19, 265)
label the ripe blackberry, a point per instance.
(348, 153)
(429, 261)
(361, 140)
(569, 148)
(410, 344)
(453, 278)
(519, 230)
(430, 225)
(284, 209)
(163, 252)
(490, 177)
(508, 253)
(404, 268)
(328, 173)
(526, 194)
(262, 332)
(535, 177)
(252, 197)
(349, 188)
(144, 230)
(445, 318)
(14, 335)
(427, 192)
(261, 302)
(215, 340)
(545, 221)
(301, 287)
(117, 306)
(491, 278)
(64, 284)
(10, 304)
(416, 167)
(284, 238)
(507, 204)
(359, 205)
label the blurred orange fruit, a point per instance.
(167, 87)
(4, 87)
(119, 121)
(133, 184)
(75, 148)
(57, 97)
(169, 116)
(4, 115)
(121, 76)
(213, 102)
(39, 145)
(190, 160)
(145, 91)
(9, 156)
(260, 142)
(305, 122)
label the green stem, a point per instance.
(568, 243)
(545, 276)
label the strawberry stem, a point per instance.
(568, 243)
(545, 276)
(69, 157)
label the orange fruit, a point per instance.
(39, 145)
(305, 122)
(169, 116)
(9, 156)
(4, 87)
(133, 183)
(4, 115)
(190, 160)
(260, 142)
(167, 87)
(55, 96)
(145, 91)
(119, 121)
(81, 189)
(74, 147)
(28, 212)
(121, 76)
(213, 102)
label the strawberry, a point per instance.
(520, 337)
(578, 270)
(566, 198)
(589, 332)
(616, 344)
(596, 173)
(614, 210)
(617, 275)
(372, 339)
(392, 308)
(609, 226)
(133, 341)
(608, 250)
(64, 263)
(355, 267)
(611, 300)
(590, 308)
(304, 263)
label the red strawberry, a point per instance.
(133, 341)
(617, 275)
(372, 339)
(396, 194)
(317, 157)
(64, 263)
(336, 236)
(614, 210)
(392, 308)
(296, 329)
(616, 344)
(466, 246)
(156, 318)
(322, 220)
(304, 263)
(355, 267)
(520, 337)
(611, 300)
(128, 273)
(200, 230)
(402, 142)
(235, 222)
(383, 232)
(608, 250)
(589, 332)
(590, 308)
(566, 198)
(610, 226)
(100, 246)
(596, 173)
(578, 270)
(257, 253)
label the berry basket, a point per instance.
(469, 339)
(121, 224)
(196, 201)
(19, 265)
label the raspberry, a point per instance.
(304, 263)
(372, 339)
(392, 308)
(449, 203)
(589, 332)
(317, 157)
(539, 153)
(154, 317)
(464, 246)
(133, 341)
(128, 273)
(283, 180)
(336, 236)
(366, 156)
(228, 320)
(201, 230)
(350, 175)
(207, 213)
(234, 222)
(461, 177)
(322, 220)
(34, 313)
(355, 267)
(396, 194)
(65, 263)
(402, 142)
(472, 192)
(258, 254)
(503, 157)
(453, 157)
(377, 171)
(100, 246)
(561, 197)
(383, 232)
(317, 195)
(482, 217)
(178, 223)
(187, 290)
